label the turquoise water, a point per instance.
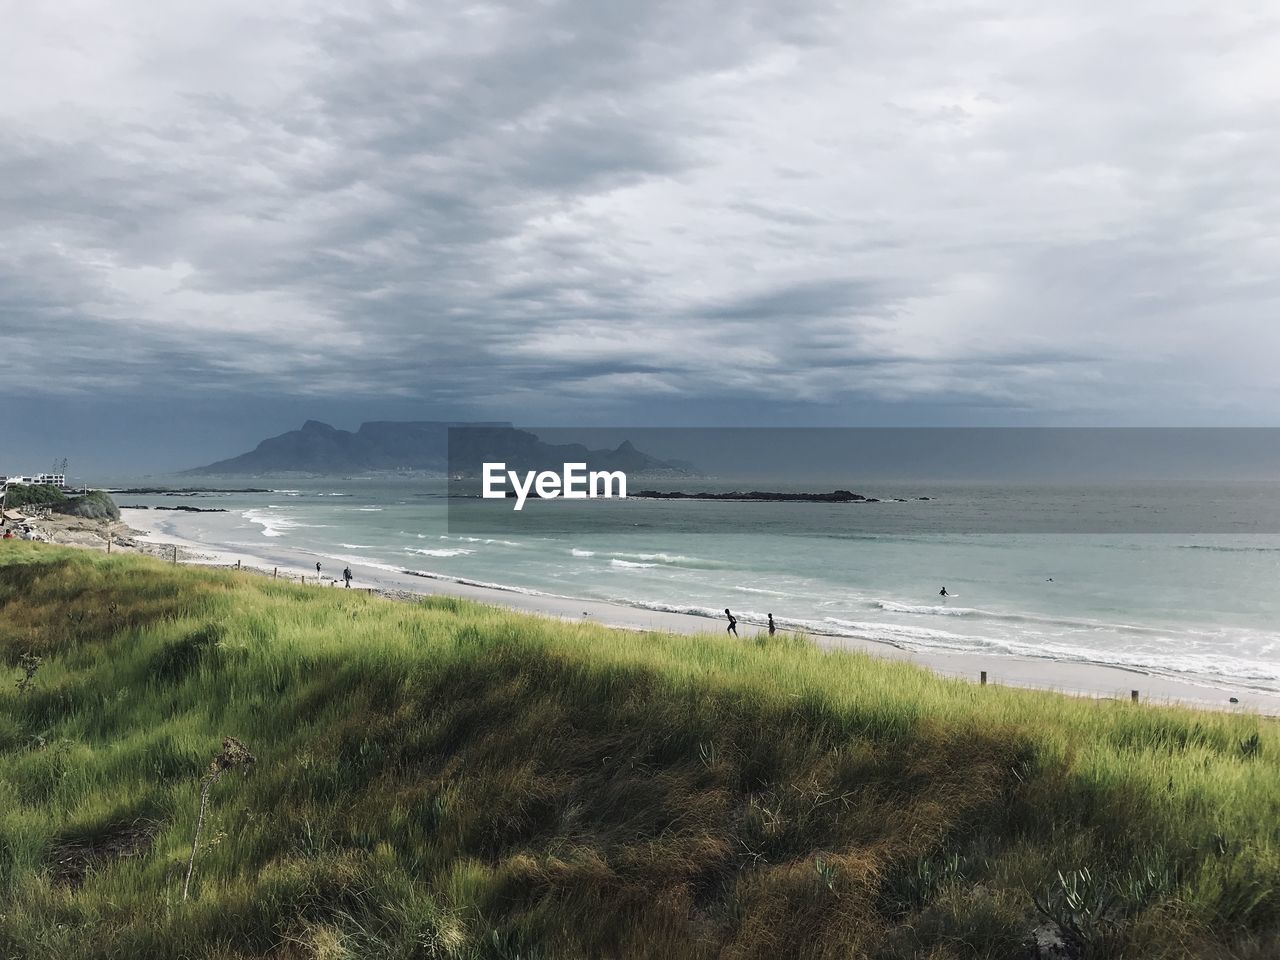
(1202, 607)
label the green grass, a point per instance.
(448, 780)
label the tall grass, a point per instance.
(446, 779)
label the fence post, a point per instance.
(1133, 695)
(983, 681)
(275, 572)
(175, 554)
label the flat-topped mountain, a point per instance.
(424, 445)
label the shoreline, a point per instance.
(1099, 681)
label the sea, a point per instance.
(1090, 586)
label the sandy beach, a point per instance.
(140, 532)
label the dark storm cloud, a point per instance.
(583, 207)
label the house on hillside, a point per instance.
(58, 480)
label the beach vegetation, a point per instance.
(234, 755)
(452, 780)
(94, 505)
(28, 665)
(19, 495)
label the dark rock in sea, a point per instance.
(835, 496)
(188, 491)
(186, 509)
(182, 507)
(924, 498)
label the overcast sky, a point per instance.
(218, 219)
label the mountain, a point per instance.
(387, 445)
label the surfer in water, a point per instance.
(733, 622)
(943, 592)
(772, 628)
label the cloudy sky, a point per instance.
(218, 219)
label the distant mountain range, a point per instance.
(423, 446)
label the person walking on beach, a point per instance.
(346, 576)
(733, 622)
(772, 628)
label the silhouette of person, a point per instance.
(317, 569)
(733, 622)
(346, 576)
(943, 592)
(772, 628)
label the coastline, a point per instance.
(1074, 678)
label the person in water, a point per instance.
(943, 592)
(346, 576)
(772, 628)
(733, 622)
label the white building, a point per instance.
(38, 480)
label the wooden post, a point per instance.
(983, 681)
(237, 564)
(1133, 695)
(108, 544)
(175, 554)
(304, 579)
(275, 572)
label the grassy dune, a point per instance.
(444, 780)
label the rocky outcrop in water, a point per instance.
(835, 496)
(182, 507)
